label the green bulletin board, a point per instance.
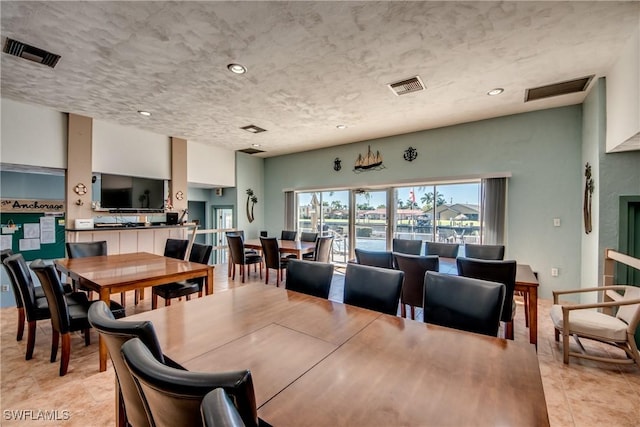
(16, 222)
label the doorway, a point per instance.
(223, 218)
(629, 242)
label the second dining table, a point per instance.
(111, 274)
(298, 248)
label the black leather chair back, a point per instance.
(115, 333)
(288, 235)
(176, 248)
(322, 252)
(407, 246)
(491, 252)
(200, 254)
(414, 268)
(172, 397)
(4, 254)
(309, 277)
(446, 250)
(306, 236)
(236, 248)
(271, 252)
(494, 271)
(86, 249)
(19, 272)
(60, 319)
(218, 410)
(463, 303)
(382, 259)
(374, 288)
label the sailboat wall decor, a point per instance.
(368, 162)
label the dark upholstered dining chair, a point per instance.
(288, 235)
(172, 397)
(323, 251)
(218, 411)
(241, 257)
(200, 254)
(307, 236)
(382, 259)
(272, 258)
(64, 318)
(38, 292)
(407, 246)
(492, 252)
(374, 288)
(115, 333)
(88, 249)
(494, 271)
(414, 268)
(176, 248)
(231, 265)
(35, 307)
(463, 303)
(309, 277)
(445, 250)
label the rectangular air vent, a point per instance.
(31, 53)
(251, 151)
(253, 129)
(555, 89)
(414, 84)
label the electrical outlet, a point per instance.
(554, 272)
(5, 288)
(556, 222)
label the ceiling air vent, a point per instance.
(414, 84)
(253, 129)
(32, 53)
(251, 151)
(555, 89)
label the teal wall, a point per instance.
(250, 174)
(542, 151)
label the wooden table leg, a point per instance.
(210, 281)
(533, 315)
(102, 346)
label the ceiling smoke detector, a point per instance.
(414, 84)
(555, 89)
(31, 53)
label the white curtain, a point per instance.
(494, 194)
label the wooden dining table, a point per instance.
(125, 272)
(526, 281)
(298, 248)
(317, 362)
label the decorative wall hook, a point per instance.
(79, 202)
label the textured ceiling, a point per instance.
(311, 65)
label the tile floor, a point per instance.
(583, 393)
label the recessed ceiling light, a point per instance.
(496, 91)
(237, 68)
(341, 126)
(144, 113)
(255, 145)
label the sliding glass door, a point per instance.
(370, 220)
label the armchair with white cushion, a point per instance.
(584, 320)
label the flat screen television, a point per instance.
(130, 192)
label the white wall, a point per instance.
(123, 150)
(209, 165)
(623, 99)
(32, 135)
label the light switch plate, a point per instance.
(556, 222)
(554, 272)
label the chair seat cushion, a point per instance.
(176, 290)
(589, 322)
